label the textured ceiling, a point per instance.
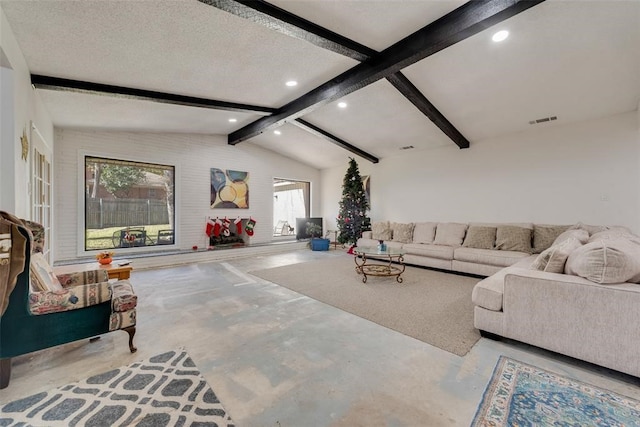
(576, 60)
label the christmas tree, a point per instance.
(353, 219)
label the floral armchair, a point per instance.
(45, 310)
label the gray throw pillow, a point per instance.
(402, 233)
(480, 237)
(381, 230)
(513, 238)
(545, 235)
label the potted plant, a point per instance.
(316, 243)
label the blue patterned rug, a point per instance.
(523, 395)
(165, 390)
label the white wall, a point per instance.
(585, 172)
(193, 156)
(25, 105)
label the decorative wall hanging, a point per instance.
(24, 141)
(229, 189)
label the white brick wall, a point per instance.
(193, 156)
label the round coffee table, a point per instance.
(387, 270)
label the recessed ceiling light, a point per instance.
(292, 83)
(233, 120)
(342, 104)
(500, 36)
(277, 132)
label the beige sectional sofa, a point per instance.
(573, 290)
(475, 248)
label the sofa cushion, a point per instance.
(581, 235)
(381, 230)
(431, 251)
(605, 261)
(545, 235)
(402, 233)
(480, 237)
(367, 243)
(488, 256)
(488, 293)
(591, 229)
(513, 238)
(41, 274)
(450, 233)
(424, 232)
(553, 259)
(614, 233)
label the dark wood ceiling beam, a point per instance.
(278, 19)
(303, 124)
(469, 19)
(284, 22)
(404, 86)
(77, 86)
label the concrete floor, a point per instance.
(277, 358)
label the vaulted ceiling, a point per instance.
(412, 73)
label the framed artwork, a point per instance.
(229, 189)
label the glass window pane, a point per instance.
(128, 204)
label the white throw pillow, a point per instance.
(424, 232)
(553, 259)
(450, 234)
(606, 261)
(581, 235)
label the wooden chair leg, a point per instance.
(5, 372)
(131, 330)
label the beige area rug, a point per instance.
(431, 306)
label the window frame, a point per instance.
(81, 250)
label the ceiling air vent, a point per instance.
(407, 147)
(543, 120)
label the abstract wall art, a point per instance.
(229, 189)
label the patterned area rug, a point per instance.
(523, 395)
(166, 390)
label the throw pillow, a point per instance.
(591, 229)
(424, 232)
(480, 237)
(42, 277)
(614, 233)
(450, 233)
(605, 261)
(553, 259)
(582, 235)
(545, 235)
(513, 238)
(402, 233)
(381, 230)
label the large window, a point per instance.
(128, 204)
(290, 201)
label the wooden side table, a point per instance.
(115, 271)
